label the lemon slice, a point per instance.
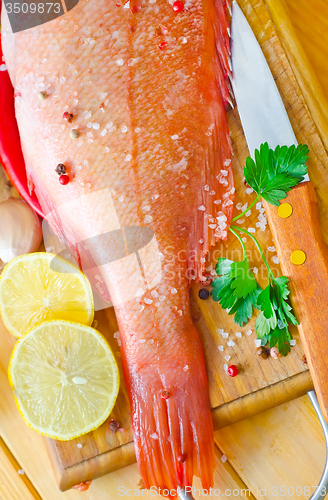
(41, 286)
(65, 379)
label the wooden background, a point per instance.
(283, 446)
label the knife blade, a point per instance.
(296, 232)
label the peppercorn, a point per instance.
(178, 6)
(262, 352)
(232, 371)
(64, 180)
(274, 352)
(181, 458)
(113, 426)
(42, 96)
(68, 116)
(60, 169)
(208, 279)
(165, 395)
(304, 359)
(74, 133)
(203, 294)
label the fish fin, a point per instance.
(173, 437)
(213, 220)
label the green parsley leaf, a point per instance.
(236, 289)
(272, 322)
(274, 173)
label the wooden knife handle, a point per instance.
(308, 281)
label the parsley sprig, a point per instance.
(272, 323)
(272, 175)
(236, 289)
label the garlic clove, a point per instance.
(20, 229)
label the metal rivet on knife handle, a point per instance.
(285, 210)
(298, 257)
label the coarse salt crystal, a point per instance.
(271, 249)
(174, 137)
(119, 62)
(186, 368)
(248, 213)
(225, 367)
(230, 343)
(124, 129)
(147, 301)
(154, 435)
(174, 291)
(207, 188)
(104, 132)
(239, 206)
(249, 190)
(255, 270)
(238, 334)
(249, 332)
(121, 198)
(212, 226)
(79, 445)
(293, 342)
(87, 115)
(221, 348)
(225, 335)
(244, 239)
(259, 205)
(224, 459)
(21, 472)
(128, 157)
(251, 230)
(117, 337)
(257, 343)
(202, 208)
(96, 126)
(227, 357)
(148, 219)
(240, 221)
(275, 259)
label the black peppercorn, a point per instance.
(113, 426)
(61, 169)
(203, 294)
(262, 352)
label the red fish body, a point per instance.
(147, 88)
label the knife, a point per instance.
(295, 227)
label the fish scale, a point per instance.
(171, 100)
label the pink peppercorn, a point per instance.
(178, 6)
(64, 180)
(165, 395)
(232, 371)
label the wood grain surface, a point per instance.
(262, 383)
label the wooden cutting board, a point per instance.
(261, 383)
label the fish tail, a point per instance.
(173, 437)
